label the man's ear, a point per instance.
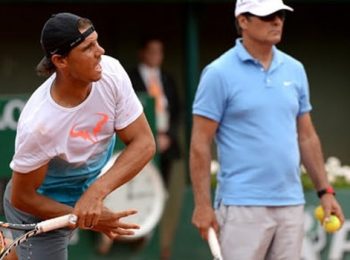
(242, 21)
(59, 61)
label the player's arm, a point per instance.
(203, 131)
(312, 159)
(25, 197)
(140, 148)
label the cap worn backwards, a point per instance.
(260, 7)
(60, 34)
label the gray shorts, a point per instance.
(51, 246)
(258, 233)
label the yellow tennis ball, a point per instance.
(319, 213)
(332, 224)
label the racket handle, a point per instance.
(56, 223)
(214, 244)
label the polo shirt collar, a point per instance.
(244, 55)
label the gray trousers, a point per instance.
(47, 246)
(258, 233)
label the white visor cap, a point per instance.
(260, 7)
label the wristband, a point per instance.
(328, 190)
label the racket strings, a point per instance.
(19, 240)
(2, 242)
(30, 231)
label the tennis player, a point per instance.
(254, 100)
(66, 134)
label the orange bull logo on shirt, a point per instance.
(89, 134)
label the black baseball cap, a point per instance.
(61, 33)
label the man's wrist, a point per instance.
(328, 190)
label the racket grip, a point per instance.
(214, 244)
(56, 223)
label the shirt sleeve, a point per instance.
(304, 94)
(210, 96)
(128, 106)
(29, 154)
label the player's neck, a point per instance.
(69, 94)
(261, 52)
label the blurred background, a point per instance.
(194, 33)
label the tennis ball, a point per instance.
(332, 224)
(319, 213)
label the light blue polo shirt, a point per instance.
(257, 136)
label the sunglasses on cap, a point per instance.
(271, 17)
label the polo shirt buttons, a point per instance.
(268, 82)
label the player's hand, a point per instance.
(203, 218)
(331, 206)
(88, 209)
(110, 223)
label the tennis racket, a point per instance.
(214, 244)
(30, 231)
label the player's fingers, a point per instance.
(124, 232)
(88, 221)
(215, 225)
(126, 213)
(327, 212)
(339, 213)
(128, 225)
(119, 232)
(95, 219)
(81, 221)
(204, 233)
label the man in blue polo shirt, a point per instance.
(254, 100)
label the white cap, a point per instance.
(260, 7)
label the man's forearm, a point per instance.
(312, 159)
(127, 165)
(40, 206)
(200, 176)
